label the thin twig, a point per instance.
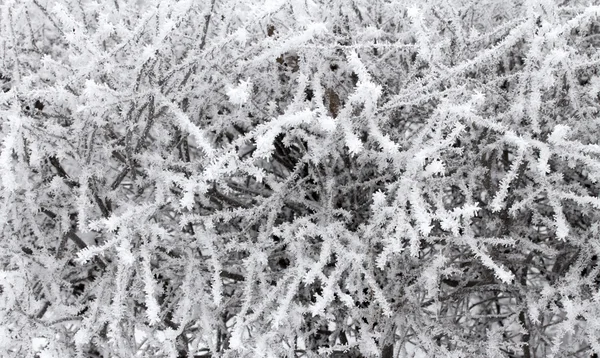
(71, 235)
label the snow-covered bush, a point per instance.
(299, 178)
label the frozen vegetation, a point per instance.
(299, 178)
